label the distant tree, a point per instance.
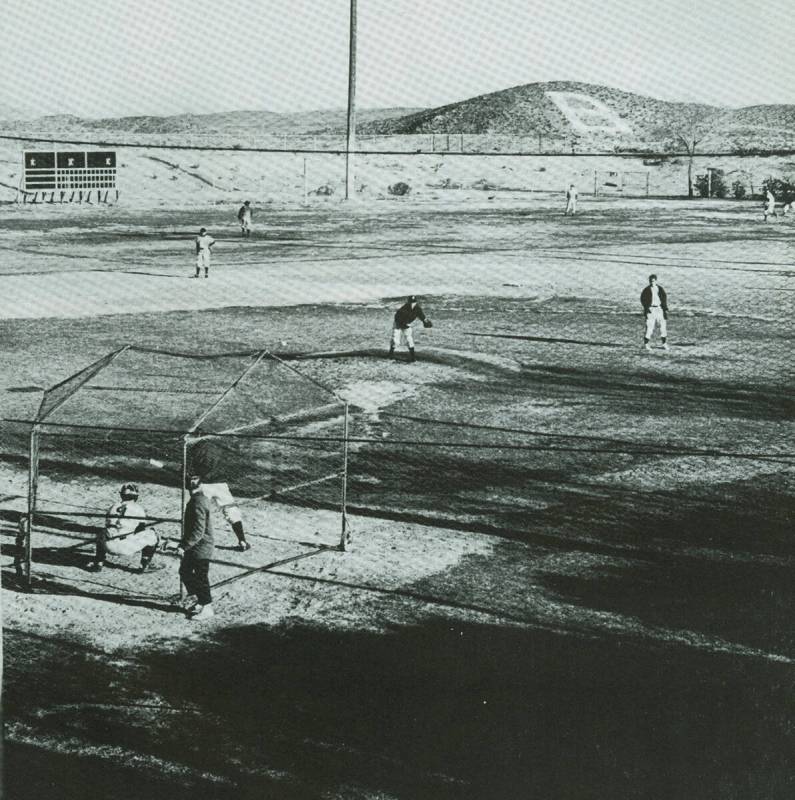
(783, 189)
(712, 187)
(686, 129)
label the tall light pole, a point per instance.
(351, 137)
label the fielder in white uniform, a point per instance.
(204, 243)
(244, 217)
(126, 532)
(655, 308)
(770, 207)
(571, 200)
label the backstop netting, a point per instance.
(140, 415)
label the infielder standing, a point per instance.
(204, 243)
(401, 328)
(244, 217)
(655, 308)
(571, 200)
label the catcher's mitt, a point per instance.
(426, 323)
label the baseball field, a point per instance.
(570, 573)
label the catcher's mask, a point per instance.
(129, 491)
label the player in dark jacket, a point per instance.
(655, 309)
(401, 328)
(196, 549)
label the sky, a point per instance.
(126, 57)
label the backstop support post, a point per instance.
(345, 537)
(33, 486)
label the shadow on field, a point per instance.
(442, 709)
(675, 394)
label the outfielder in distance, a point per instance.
(770, 205)
(401, 328)
(655, 309)
(571, 200)
(244, 217)
(204, 243)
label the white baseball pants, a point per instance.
(219, 493)
(656, 317)
(402, 334)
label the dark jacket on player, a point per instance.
(646, 298)
(198, 537)
(405, 315)
(204, 460)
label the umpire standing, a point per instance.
(196, 550)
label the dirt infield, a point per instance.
(570, 573)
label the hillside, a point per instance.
(239, 123)
(529, 110)
(557, 115)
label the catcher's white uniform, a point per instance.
(121, 538)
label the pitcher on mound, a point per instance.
(401, 327)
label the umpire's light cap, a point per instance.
(129, 490)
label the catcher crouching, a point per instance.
(401, 328)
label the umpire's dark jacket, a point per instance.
(198, 537)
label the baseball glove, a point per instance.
(426, 323)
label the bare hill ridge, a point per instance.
(587, 115)
(570, 110)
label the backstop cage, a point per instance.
(137, 414)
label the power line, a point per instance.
(418, 152)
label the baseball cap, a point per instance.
(652, 277)
(129, 490)
(202, 230)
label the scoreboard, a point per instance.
(69, 170)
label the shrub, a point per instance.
(324, 191)
(399, 189)
(718, 184)
(783, 189)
